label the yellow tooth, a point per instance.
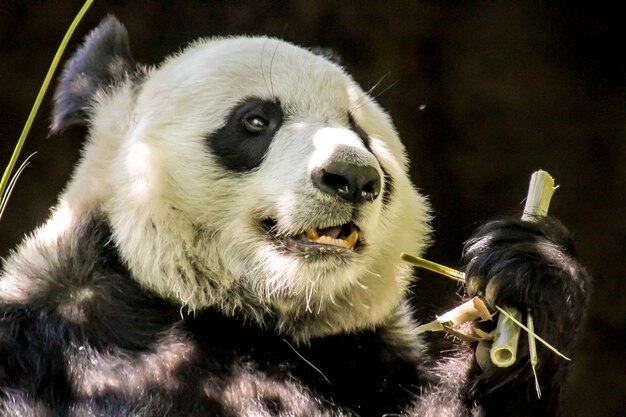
(330, 241)
(351, 240)
(312, 234)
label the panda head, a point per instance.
(246, 174)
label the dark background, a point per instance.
(508, 87)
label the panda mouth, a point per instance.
(344, 236)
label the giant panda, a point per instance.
(229, 245)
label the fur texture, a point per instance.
(181, 272)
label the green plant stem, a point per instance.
(42, 92)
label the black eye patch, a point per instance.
(241, 143)
(365, 139)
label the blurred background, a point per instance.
(483, 94)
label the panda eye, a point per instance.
(251, 123)
(255, 123)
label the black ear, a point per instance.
(329, 54)
(103, 60)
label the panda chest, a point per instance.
(198, 368)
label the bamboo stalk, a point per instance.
(468, 311)
(504, 348)
(434, 267)
(535, 335)
(540, 191)
(503, 351)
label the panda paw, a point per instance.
(528, 265)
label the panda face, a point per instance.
(256, 176)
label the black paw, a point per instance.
(530, 265)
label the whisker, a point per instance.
(389, 87)
(358, 103)
(380, 80)
(271, 64)
(267, 87)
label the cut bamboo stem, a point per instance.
(535, 335)
(434, 267)
(540, 191)
(503, 351)
(504, 347)
(468, 311)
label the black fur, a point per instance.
(103, 60)
(387, 187)
(235, 146)
(363, 136)
(528, 265)
(88, 340)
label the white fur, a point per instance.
(188, 228)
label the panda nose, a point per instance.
(353, 183)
